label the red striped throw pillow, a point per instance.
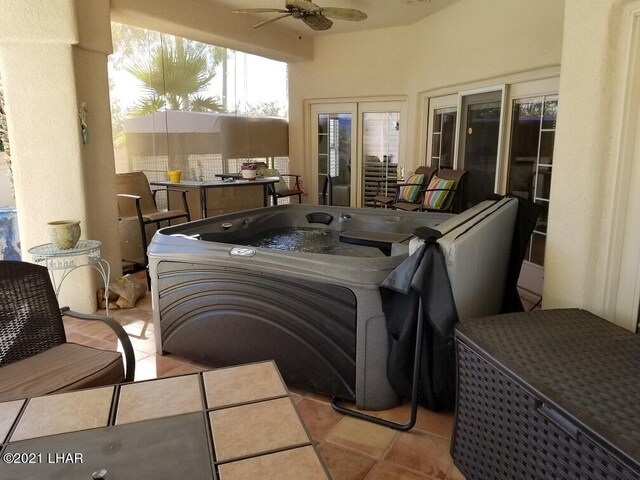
(410, 193)
(437, 193)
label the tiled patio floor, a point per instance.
(352, 449)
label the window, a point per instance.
(186, 105)
(533, 130)
(443, 137)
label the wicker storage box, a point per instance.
(551, 394)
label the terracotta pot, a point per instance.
(64, 234)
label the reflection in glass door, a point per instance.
(443, 137)
(533, 130)
(334, 156)
(481, 120)
(380, 153)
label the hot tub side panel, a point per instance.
(221, 315)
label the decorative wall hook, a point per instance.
(82, 113)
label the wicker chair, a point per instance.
(35, 357)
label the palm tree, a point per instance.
(175, 77)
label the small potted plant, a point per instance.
(249, 171)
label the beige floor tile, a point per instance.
(319, 417)
(8, 413)
(155, 366)
(245, 383)
(421, 452)
(65, 412)
(297, 464)
(361, 436)
(390, 471)
(344, 464)
(455, 474)
(297, 398)
(438, 423)
(257, 427)
(158, 398)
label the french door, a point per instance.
(333, 151)
(359, 146)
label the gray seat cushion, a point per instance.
(62, 368)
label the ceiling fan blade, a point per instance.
(267, 22)
(260, 10)
(343, 13)
(317, 22)
(304, 5)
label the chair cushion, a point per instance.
(437, 192)
(409, 193)
(281, 185)
(63, 368)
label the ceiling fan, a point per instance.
(310, 13)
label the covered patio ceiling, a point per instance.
(380, 13)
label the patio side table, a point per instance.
(61, 263)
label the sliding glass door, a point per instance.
(479, 145)
(468, 128)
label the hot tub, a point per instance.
(221, 297)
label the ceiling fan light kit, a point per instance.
(311, 14)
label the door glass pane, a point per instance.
(547, 140)
(550, 113)
(381, 143)
(543, 183)
(531, 159)
(525, 137)
(334, 155)
(443, 136)
(537, 248)
(480, 158)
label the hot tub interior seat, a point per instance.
(382, 240)
(224, 310)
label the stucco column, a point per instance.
(586, 157)
(53, 57)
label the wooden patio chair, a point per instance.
(288, 186)
(136, 201)
(35, 357)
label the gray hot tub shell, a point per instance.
(319, 316)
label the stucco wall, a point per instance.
(53, 57)
(471, 41)
(587, 159)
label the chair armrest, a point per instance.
(128, 195)
(120, 333)
(390, 183)
(185, 205)
(136, 199)
(408, 184)
(293, 175)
